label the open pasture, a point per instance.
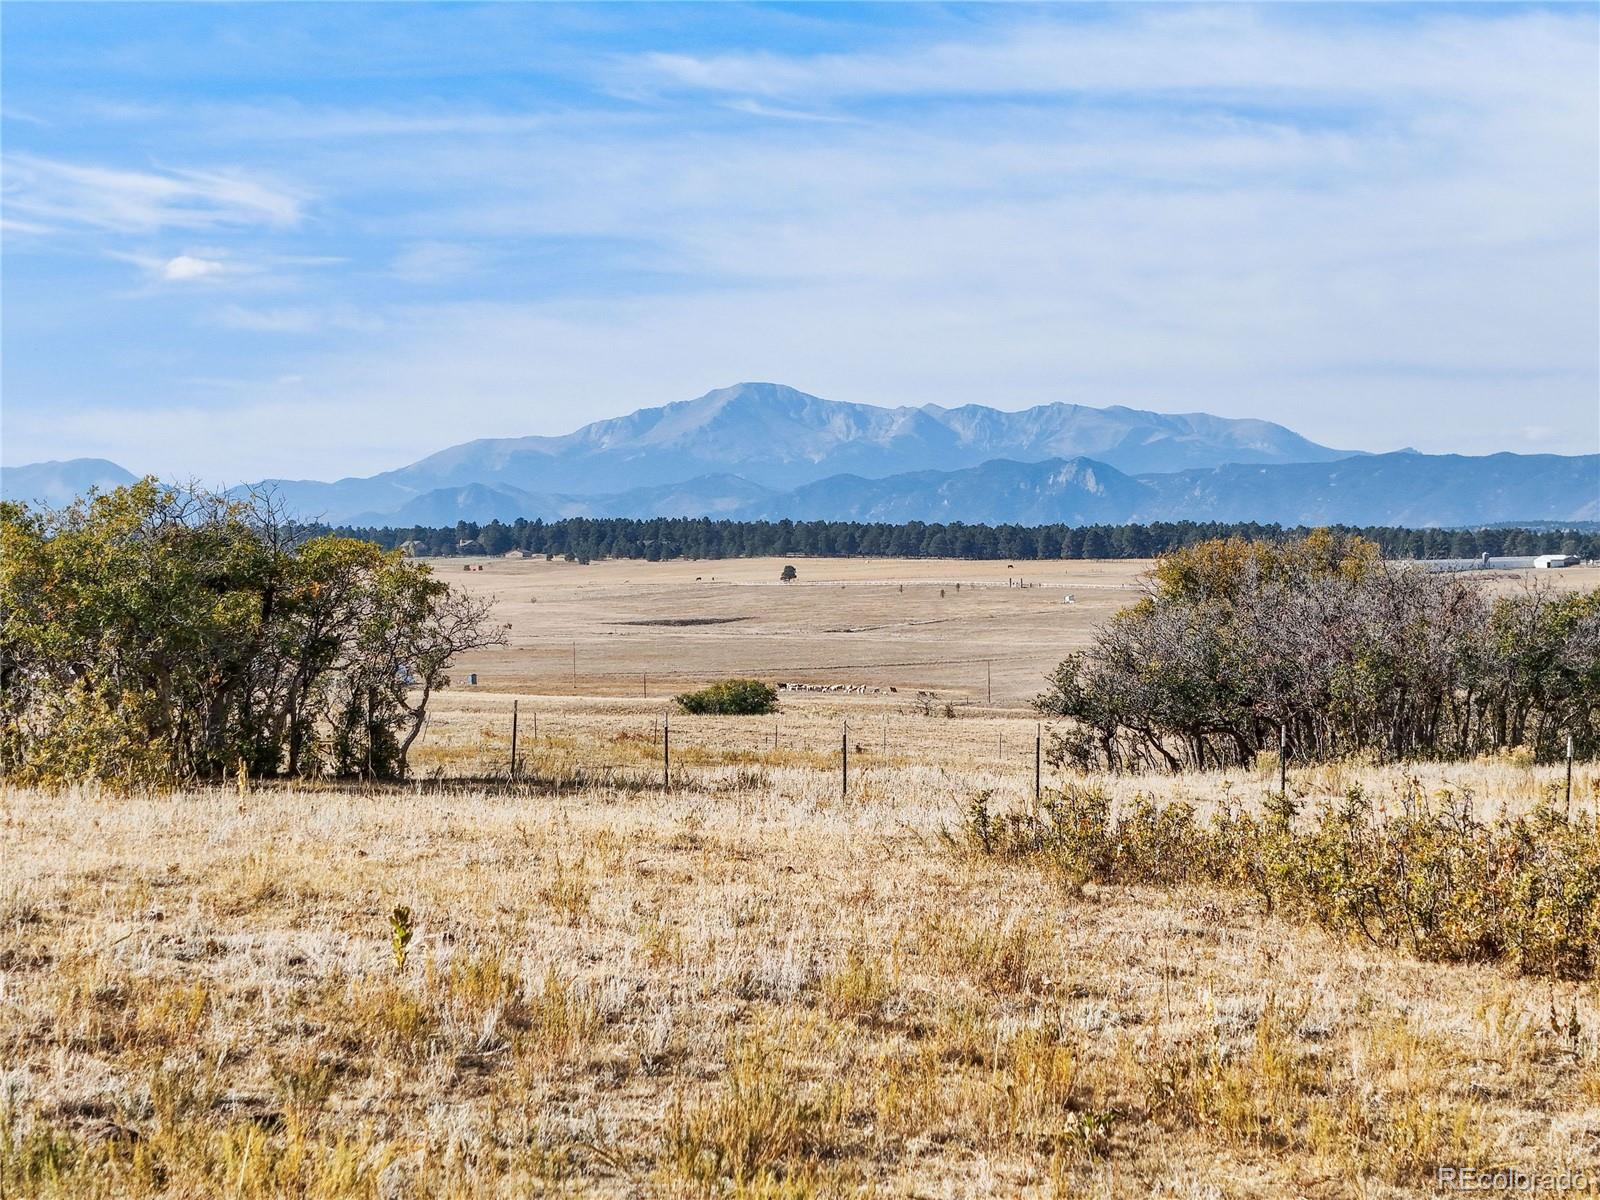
(742, 979)
(954, 627)
(966, 630)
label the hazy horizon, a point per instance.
(323, 241)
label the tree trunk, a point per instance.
(418, 715)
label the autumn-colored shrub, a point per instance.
(1431, 879)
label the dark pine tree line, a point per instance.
(585, 538)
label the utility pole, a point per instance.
(988, 680)
(644, 677)
(513, 740)
(574, 667)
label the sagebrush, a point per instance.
(1430, 879)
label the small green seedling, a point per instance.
(400, 934)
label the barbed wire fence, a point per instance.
(523, 744)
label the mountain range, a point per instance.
(1404, 488)
(780, 438)
(762, 450)
(54, 484)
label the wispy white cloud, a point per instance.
(1234, 49)
(29, 228)
(297, 320)
(56, 193)
(757, 108)
(208, 265)
(213, 266)
(435, 262)
(289, 120)
(9, 112)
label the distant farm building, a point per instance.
(516, 554)
(1547, 562)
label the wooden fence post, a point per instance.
(666, 753)
(844, 762)
(513, 741)
(1283, 761)
(1569, 774)
(1038, 762)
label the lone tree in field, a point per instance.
(789, 574)
(153, 636)
(731, 698)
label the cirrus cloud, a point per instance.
(65, 195)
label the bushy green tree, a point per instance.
(731, 698)
(152, 635)
(1323, 642)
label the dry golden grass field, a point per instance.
(964, 629)
(868, 622)
(738, 981)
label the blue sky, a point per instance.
(320, 240)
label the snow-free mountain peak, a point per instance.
(53, 484)
(779, 437)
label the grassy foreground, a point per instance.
(743, 986)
